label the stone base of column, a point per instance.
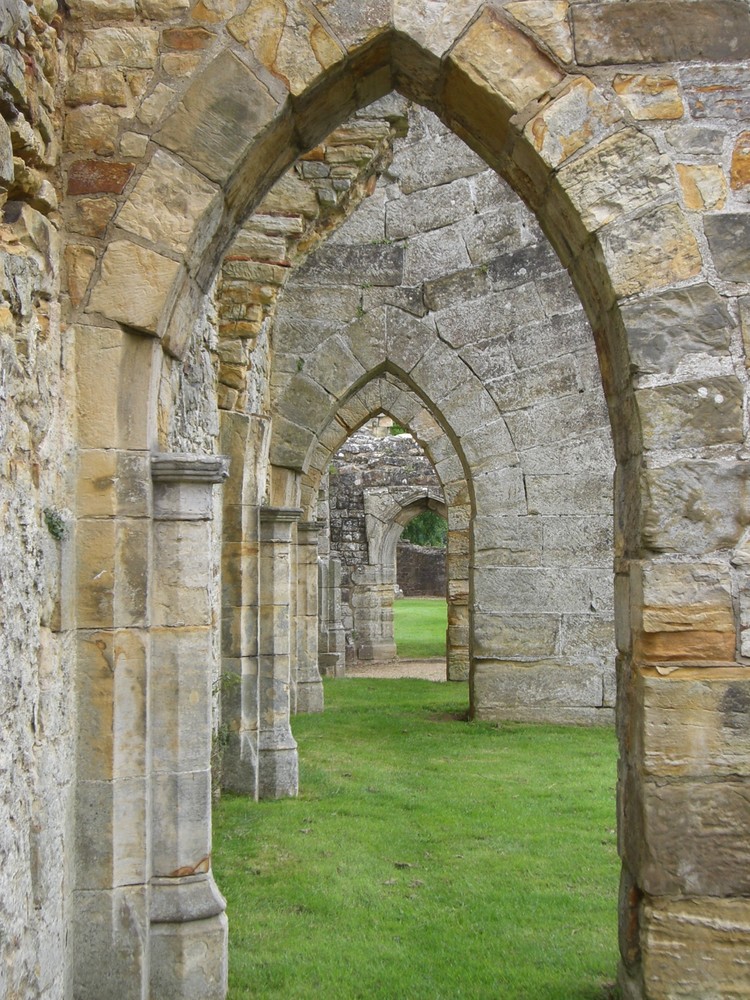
(630, 988)
(278, 772)
(376, 651)
(189, 937)
(239, 773)
(332, 664)
(309, 696)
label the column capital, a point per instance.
(184, 483)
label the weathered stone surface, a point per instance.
(663, 328)
(133, 286)
(159, 9)
(227, 100)
(380, 265)
(576, 116)
(622, 173)
(659, 31)
(740, 171)
(92, 130)
(133, 47)
(80, 262)
(651, 252)
(729, 237)
(548, 20)
(167, 202)
(99, 177)
(692, 414)
(498, 62)
(528, 691)
(695, 947)
(703, 187)
(650, 97)
(695, 506)
(717, 92)
(421, 212)
(289, 41)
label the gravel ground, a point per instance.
(428, 670)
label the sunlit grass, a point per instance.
(425, 858)
(419, 625)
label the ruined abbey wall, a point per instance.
(163, 449)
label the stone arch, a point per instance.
(630, 251)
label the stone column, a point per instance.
(188, 923)
(277, 749)
(309, 682)
(331, 637)
(372, 605)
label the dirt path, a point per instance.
(428, 670)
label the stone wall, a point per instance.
(444, 276)
(420, 570)
(623, 127)
(37, 517)
(372, 468)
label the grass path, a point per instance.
(425, 858)
(419, 625)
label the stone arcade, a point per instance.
(169, 403)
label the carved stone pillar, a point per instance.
(278, 775)
(188, 924)
(309, 682)
(332, 636)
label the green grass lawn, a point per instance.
(425, 858)
(419, 625)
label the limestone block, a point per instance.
(590, 638)
(513, 590)
(110, 841)
(692, 414)
(542, 383)
(697, 834)
(590, 452)
(377, 265)
(740, 171)
(98, 177)
(133, 286)
(663, 328)
(182, 579)
(696, 723)
(421, 212)
(159, 9)
(717, 92)
(288, 40)
(112, 573)
(103, 10)
(103, 85)
(515, 636)
(696, 947)
(92, 129)
(439, 370)
(429, 255)
(79, 265)
(435, 26)
(135, 47)
(703, 187)
(548, 20)
(107, 358)
(728, 237)
(112, 923)
(470, 283)
(623, 173)
(539, 691)
(649, 96)
(239, 630)
(576, 116)
(111, 704)
(650, 252)
(551, 423)
(365, 337)
(181, 828)
(659, 31)
(167, 202)
(224, 102)
(90, 216)
(507, 540)
(189, 959)
(496, 66)
(571, 541)
(407, 338)
(589, 493)
(335, 368)
(495, 315)
(180, 693)
(695, 506)
(355, 21)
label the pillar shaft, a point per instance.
(278, 775)
(309, 682)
